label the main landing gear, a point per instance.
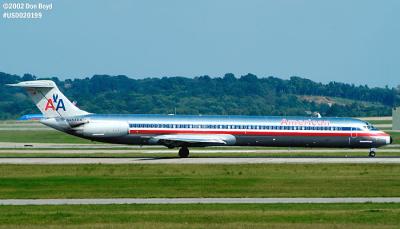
(184, 152)
(372, 152)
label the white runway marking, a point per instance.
(55, 161)
(198, 201)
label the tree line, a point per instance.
(245, 95)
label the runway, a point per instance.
(216, 160)
(200, 201)
(199, 151)
(8, 147)
(157, 148)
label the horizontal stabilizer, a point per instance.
(35, 84)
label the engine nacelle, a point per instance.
(105, 129)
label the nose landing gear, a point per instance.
(184, 152)
(372, 152)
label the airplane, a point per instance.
(30, 117)
(184, 131)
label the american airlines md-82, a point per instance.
(186, 131)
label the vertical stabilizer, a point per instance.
(49, 99)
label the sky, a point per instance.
(342, 40)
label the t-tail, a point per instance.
(49, 99)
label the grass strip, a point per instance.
(42, 136)
(377, 122)
(369, 215)
(174, 180)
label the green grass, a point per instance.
(395, 136)
(247, 180)
(42, 136)
(367, 215)
(375, 122)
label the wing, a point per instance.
(176, 140)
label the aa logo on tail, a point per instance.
(50, 103)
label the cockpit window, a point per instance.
(369, 126)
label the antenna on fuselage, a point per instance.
(317, 114)
(314, 114)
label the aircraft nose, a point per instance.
(388, 140)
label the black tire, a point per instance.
(371, 154)
(184, 152)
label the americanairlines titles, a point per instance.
(307, 122)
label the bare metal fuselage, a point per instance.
(231, 130)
